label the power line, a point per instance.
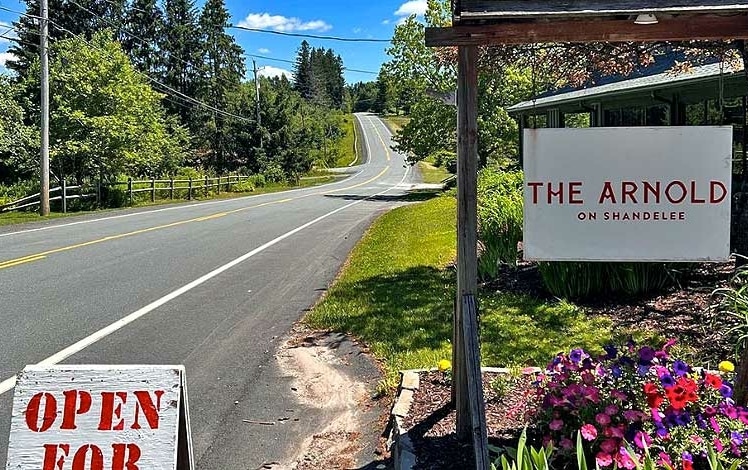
(309, 36)
(286, 61)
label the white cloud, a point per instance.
(282, 23)
(263, 50)
(269, 71)
(357, 30)
(385, 21)
(4, 57)
(412, 7)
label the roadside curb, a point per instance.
(399, 442)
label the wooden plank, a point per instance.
(467, 225)
(712, 28)
(478, 431)
(523, 9)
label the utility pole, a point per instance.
(257, 100)
(44, 58)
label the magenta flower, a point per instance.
(556, 424)
(589, 432)
(602, 419)
(603, 459)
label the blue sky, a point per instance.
(343, 18)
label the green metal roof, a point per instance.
(622, 88)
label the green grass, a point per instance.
(347, 145)
(432, 174)
(395, 123)
(11, 218)
(396, 294)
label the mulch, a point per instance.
(684, 312)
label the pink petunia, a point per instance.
(589, 432)
(610, 446)
(556, 424)
(602, 419)
(611, 410)
(603, 459)
(625, 459)
(566, 443)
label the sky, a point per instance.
(341, 18)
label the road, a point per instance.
(210, 285)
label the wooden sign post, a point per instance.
(72, 417)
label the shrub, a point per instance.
(17, 191)
(637, 399)
(574, 280)
(445, 159)
(499, 220)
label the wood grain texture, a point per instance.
(487, 9)
(575, 31)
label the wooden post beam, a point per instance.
(465, 353)
(681, 28)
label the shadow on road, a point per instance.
(419, 195)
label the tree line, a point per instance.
(145, 88)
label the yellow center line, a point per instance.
(28, 259)
(386, 149)
(44, 254)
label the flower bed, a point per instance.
(621, 408)
(637, 401)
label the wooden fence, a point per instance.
(158, 189)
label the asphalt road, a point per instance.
(210, 285)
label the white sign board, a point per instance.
(627, 194)
(100, 418)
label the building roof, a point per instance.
(487, 10)
(622, 87)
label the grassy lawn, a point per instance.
(347, 145)
(315, 179)
(396, 294)
(395, 123)
(432, 174)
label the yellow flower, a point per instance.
(444, 365)
(726, 366)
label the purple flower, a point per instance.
(736, 438)
(726, 390)
(611, 351)
(576, 355)
(667, 380)
(680, 368)
(661, 431)
(687, 457)
(616, 371)
(646, 354)
(642, 370)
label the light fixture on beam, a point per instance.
(646, 18)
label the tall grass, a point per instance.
(499, 220)
(572, 280)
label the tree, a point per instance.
(105, 119)
(145, 23)
(223, 71)
(302, 72)
(68, 18)
(182, 52)
(19, 143)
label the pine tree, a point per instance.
(223, 72)
(302, 72)
(145, 23)
(181, 53)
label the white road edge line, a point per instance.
(368, 147)
(199, 204)
(8, 384)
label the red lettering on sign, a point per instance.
(150, 410)
(607, 193)
(559, 194)
(76, 403)
(535, 186)
(694, 199)
(669, 192)
(628, 189)
(125, 456)
(713, 185)
(651, 190)
(110, 412)
(81, 458)
(51, 462)
(574, 191)
(49, 415)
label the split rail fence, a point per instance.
(189, 189)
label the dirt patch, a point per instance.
(318, 362)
